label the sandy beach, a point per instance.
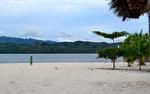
(73, 78)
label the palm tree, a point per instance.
(131, 8)
(128, 53)
(137, 47)
(112, 35)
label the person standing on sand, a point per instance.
(31, 60)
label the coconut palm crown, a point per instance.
(129, 8)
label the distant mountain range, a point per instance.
(20, 45)
(4, 39)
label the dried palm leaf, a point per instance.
(129, 8)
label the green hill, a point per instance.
(62, 47)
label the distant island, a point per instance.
(20, 45)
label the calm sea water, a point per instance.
(24, 58)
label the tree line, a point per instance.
(62, 47)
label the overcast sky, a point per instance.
(62, 20)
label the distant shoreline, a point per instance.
(48, 53)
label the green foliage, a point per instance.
(112, 35)
(63, 47)
(110, 53)
(136, 47)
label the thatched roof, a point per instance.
(129, 8)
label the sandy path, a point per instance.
(76, 78)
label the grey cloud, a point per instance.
(66, 36)
(31, 32)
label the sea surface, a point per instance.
(48, 58)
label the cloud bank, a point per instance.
(62, 20)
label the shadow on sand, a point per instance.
(122, 69)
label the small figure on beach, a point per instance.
(31, 60)
(56, 68)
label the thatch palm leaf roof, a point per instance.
(129, 8)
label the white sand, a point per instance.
(76, 78)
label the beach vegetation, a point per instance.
(136, 47)
(112, 35)
(111, 53)
(132, 9)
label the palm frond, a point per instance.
(129, 8)
(112, 35)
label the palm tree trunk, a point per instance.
(114, 59)
(140, 67)
(149, 22)
(149, 15)
(114, 64)
(129, 65)
(141, 63)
